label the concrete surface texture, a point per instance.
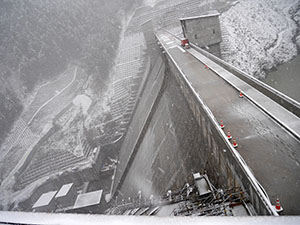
(136, 126)
(202, 30)
(170, 148)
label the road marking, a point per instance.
(132, 61)
(170, 42)
(176, 46)
(181, 49)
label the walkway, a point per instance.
(270, 150)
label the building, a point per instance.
(203, 31)
(87, 202)
(65, 196)
(45, 203)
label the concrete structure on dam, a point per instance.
(175, 130)
(204, 31)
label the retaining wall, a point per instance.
(147, 100)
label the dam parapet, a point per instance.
(224, 164)
(173, 133)
(179, 132)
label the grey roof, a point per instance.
(44, 199)
(88, 199)
(199, 17)
(64, 190)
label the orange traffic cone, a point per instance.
(229, 135)
(241, 94)
(278, 206)
(234, 143)
(221, 124)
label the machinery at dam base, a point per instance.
(200, 198)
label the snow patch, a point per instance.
(83, 101)
(258, 34)
(150, 3)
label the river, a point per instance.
(286, 78)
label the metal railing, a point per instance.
(282, 99)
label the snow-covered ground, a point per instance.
(83, 101)
(150, 2)
(260, 34)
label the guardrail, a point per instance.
(268, 112)
(259, 191)
(282, 99)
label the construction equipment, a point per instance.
(185, 43)
(200, 198)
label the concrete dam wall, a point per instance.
(173, 134)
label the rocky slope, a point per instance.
(258, 35)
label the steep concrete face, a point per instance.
(171, 148)
(147, 100)
(176, 140)
(165, 142)
(173, 135)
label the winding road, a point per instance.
(57, 94)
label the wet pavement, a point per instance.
(272, 153)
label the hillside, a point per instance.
(39, 39)
(259, 35)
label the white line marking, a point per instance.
(181, 49)
(170, 42)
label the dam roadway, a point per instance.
(267, 134)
